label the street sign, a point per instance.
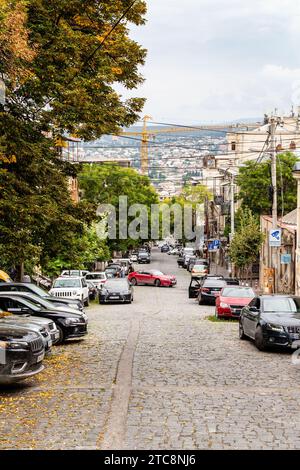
(214, 245)
(275, 237)
(286, 258)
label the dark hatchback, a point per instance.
(70, 325)
(271, 320)
(209, 291)
(116, 290)
(32, 288)
(21, 353)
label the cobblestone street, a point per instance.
(156, 374)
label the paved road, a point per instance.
(156, 375)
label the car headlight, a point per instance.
(17, 345)
(73, 321)
(223, 305)
(273, 327)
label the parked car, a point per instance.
(116, 290)
(231, 281)
(32, 288)
(231, 301)
(97, 278)
(29, 323)
(125, 263)
(134, 257)
(180, 261)
(69, 325)
(164, 248)
(199, 270)
(113, 270)
(4, 277)
(152, 277)
(174, 251)
(209, 290)
(74, 272)
(21, 353)
(144, 257)
(72, 288)
(93, 290)
(271, 320)
(193, 261)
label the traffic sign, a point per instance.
(275, 237)
(214, 245)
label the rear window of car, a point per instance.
(95, 276)
(214, 283)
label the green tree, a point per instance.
(255, 186)
(246, 243)
(77, 61)
(60, 61)
(104, 184)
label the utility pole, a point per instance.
(273, 125)
(274, 250)
(232, 211)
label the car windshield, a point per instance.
(95, 276)
(66, 283)
(71, 273)
(156, 273)
(244, 293)
(281, 305)
(215, 283)
(28, 303)
(38, 290)
(40, 302)
(200, 267)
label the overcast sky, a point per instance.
(218, 60)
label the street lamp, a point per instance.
(296, 175)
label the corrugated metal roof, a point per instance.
(290, 218)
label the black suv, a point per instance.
(70, 325)
(143, 257)
(21, 353)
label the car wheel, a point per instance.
(259, 339)
(199, 300)
(133, 281)
(87, 302)
(241, 332)
(157, 282)
(61, 335)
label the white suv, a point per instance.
(71, 288)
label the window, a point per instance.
(233, 146)
(293, 145)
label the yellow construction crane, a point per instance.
(146, 135)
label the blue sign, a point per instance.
(214, 245)
(275, 237)
(286, 258)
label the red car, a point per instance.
(152, 278)
(232, 299)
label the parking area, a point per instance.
(156, 374)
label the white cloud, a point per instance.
(219, 59)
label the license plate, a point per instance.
(40, 357)
(114, 297)
(295, 335)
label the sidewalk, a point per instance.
(222, 271)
